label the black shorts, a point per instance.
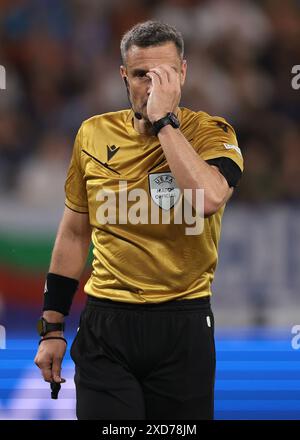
(149, 361)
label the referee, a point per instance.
(145, 344)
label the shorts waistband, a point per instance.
(184, 304)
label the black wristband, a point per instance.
(59, 293)
(53, 337)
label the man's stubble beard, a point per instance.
(148, 126)
(143, 112)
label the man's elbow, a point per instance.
(211, 207)
(213, 202)
(211, 211)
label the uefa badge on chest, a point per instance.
(164, 190)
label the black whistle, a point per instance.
(55, 387)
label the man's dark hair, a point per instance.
(151, 33)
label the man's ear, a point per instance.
(183, 72)
(123, 72)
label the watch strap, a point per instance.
(44, 327)
(166, 120)
(57, 326)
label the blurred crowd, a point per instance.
(62, 65)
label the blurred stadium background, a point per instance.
(62, 66)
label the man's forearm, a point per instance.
(69, 254)
(68, 259)
(53, 316)
(192, 172)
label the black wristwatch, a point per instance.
(44, 327)
(170, 118)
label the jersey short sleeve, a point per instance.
(215, 138)
(75, 186)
